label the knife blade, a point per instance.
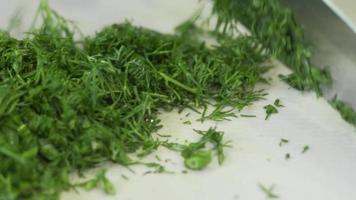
(333, 41)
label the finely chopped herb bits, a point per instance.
(66, 107)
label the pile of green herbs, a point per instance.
(67, 106)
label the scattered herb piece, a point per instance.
(305, 149)
(188, 122)
(283, 142)
(158, 168)
(218, 114)
(99, 181)
(165, 136)
(345, 110)
(198, 160)
(158, 158)
(242, 115)
(124, 177)
(268, 191)
(277, 103)
(194, 154)
(287, 156)
(270, 109)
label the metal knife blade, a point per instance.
(333, 42)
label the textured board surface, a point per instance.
(325, 172)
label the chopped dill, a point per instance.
(305, 149)
(277, 103)
(158, 158)
(248, 116)
(188, 122)
(270, 109)
(268, 191)
(100, 181)
(283, 142)
(124, 177)
(66, 108)
(345, 110)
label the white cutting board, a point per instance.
(326, 172)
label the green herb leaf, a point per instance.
(283, 142)
(277, 103)
(305, 148)
(270, 109)
(198, 160)
(268, 191)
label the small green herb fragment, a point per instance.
(196, 155)
(345, 110)
(198, 160)
(188, 122)
(248, 116)
(268, 191)
(270, 109)
(124, 177)
(218, 114)
(287, 156)
(305, 149)
(283, 142)
(99, 181)
(158, 158)
(277, 103)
